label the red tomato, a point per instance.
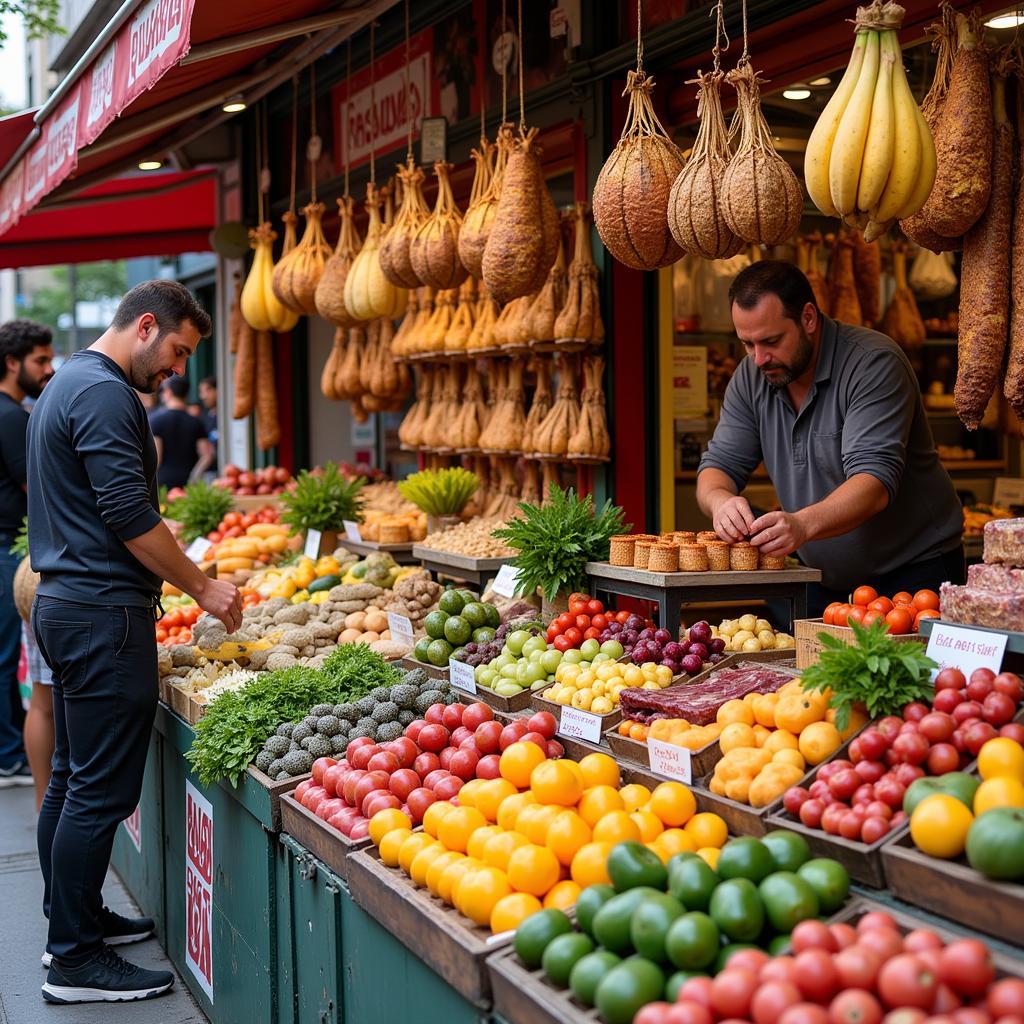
(871, 616)
(881, 604)
(161, 634)
(816, 975)
(562, 644)
(771, 999)
(855, 1006)
(1006, 998)
(863, 596)
(856, 614)
(594, 607)
(857, 967)
(215, 536)
(574, 635)
(578, 606)
(653, 1013)
(921, 938)
(884, 942)
(907, 981)
(732, 991)
(695, 990)
(552, 631)
(926, 599)
(565, 620)
(805, 1013)
(232, 518)
(622, 616)
(902, 598)
(840, 614)
(900, 620)
(925, 613)
(687, 1011)
(577, 596)
(966, 967)
(826, 615)
(599, 621)
(591, 633)
(751, 959)
(582, 622)
(812, 934)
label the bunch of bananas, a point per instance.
(439, 492)
(871, 157)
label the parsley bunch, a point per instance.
(877, 671)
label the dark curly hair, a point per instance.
(18, 338)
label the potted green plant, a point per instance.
(442, 493)
(555, 540)
(200, 509)
(322, 500)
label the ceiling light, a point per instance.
(797, 92)
(1005, 21)
(824, 80)
(150, 165)
(234, 104)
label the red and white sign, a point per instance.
(199, 887)
(133, 826)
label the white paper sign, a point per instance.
(505, 582)
(401, 628)
(199, 887)
(198, 549)
(312, 548)
(352, 531)
(966, 649)
(580, 725)
(462, 676)
(670, 760)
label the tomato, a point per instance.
(855, 1006)
(562, 644)
(249, 519)
(902, 598)
(926, 613)
(826, 615)
(751, 959)
(966, 966)
(779, 968)
(871, 616)
(881, 604)
(622, 617)
(884, 942)
(771, 999)
(552, 631)
(161, 634)
(864, 596)
(574, 635)
(906, 981)
(732, 992)
(925, 599)
(565, 620)
(921, 938)
(578, 606)
(857, 967)
(843, 934)
(856, 614)
(900, 620)
(577, 596)
(840, 614)
(696, 990)
(812, 934)
(232, 519)
(215, 536)
(599, 621)
(804, 1013)
(687, 1012)
(816, 975)
(1006, 998)
(172, 618)
(591, 633)
(594, 607)
(582, 622)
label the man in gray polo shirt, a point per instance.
(835, 414)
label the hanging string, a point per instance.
(483, 115)
(348, 102)
(259, 166)
(522, 101)
(313, 150)
(639, 37)
(719, 12)
(745, 58)
(408, 88)
(504, 71)
(373, 109)
(295, 137)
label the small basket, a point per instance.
(622, 550)
(708, 537)
(663, 558)
(718, 555)
(743, 557)
(693, 558)
(771, 561)
(642, 554)
(394, 533)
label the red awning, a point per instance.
(14, 130)
(145, 215)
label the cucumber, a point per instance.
(324, 583)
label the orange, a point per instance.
(735, 711)
(468, 799)
(926, 600)
(589, 866)
(456, 828)
(518, 761)
(422, 861)
(391, 844)
(857, 720)
(437, 868)
(673, 803)
(509, 808)
(556, 782)
(479, 892)
(500, 847)
(599, 770)
(566, 834)
(709, 854)
(616, 827)
(939, 825)
(407, 852)
(818, 741)
(478, 840)
(533, 869)
(763, 706)
(707, 829)
(863, 596)
(451, 875)
(535, 820)
(433, 815)
(781, 739)
(649, 824)
(673, 841)
(510, 911)
(736, 735)
(793, 757)
(562, 895)
(386, 821)
(794, 712)
(490, 795)
(1000, 756)
(634, 796)
(999, 791)
(598, 801)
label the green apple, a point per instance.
(551, 660)
(502, 660)
(516, 640)
(613, 649)
(535, 656)
(509, 671)
(599, 657)
(541, 684)
(488, 678)
(572, 657)
(535, 643)
(506, 688)
(535, 674)
(589, 648)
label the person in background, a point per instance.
(183, 449)
(208, 396)
(26, 364)
(39, 728)
(149, 403)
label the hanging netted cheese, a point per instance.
(483, 201)
(368, 293)
(434, 251)
(330, 292)
(301, 272)
(394, 249)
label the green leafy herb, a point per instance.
(440, 492)
(322, 501)
(556, 540)
(20, 545)
(200, 510)
(877, 671)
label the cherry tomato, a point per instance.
(732, 991)
(864, 596)
(855, 1006)
(594, 607)
(843, 933)
(771, 999)
(826, 615)
(599, 622)
(578, 607)
(816, 975)
(574, 635)
(591, 633)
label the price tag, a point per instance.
(352, 531)
(401, 628)
(312, 548)
(670, 760)
(505, 582)
(966, 649)
(462, 676)
(581, 725)
(198, 549)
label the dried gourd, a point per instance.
(631, 195)
(539, 322)
(591, 438)
(279, 281)
(531, 490)
(412, 308)
(260, 306)
(268, 425)
(523, 240)
(483, 201)
(461, 327)
(368, 293)
(235, 316)
(552, 436)
(440, 321)
(842, 299)
(435, 426)
(413, 213)
(410, 431)
(330, 370)
(434, 250)
(368, 363)
(694, 213)
(482, 335)
(761, 199)
(304, 268)
(902, 321)
(541, 405)
(330, 292)
(580, 318)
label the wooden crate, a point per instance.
(254, 502)
(520, 702)
(539, 703)
(275, 790)
(178, 700)
(701, 761)
(324, 841)
(953, 889)
(448, 943)
(525, 996)
(408, 663)
(808, 646)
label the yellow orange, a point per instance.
(736, 735)
(456, 828)
(469, 799)
(479, 892)
(518, 761)
(616, 827)
(422, 861)
(535, 820)
(709, 854)
(500, 847)
(433, 815)
(566, 835)
(818, 741)
(796, 711)
(562, 895)
(477, 841)
(533, 869)
(599, 770)
(490, 795)
(707, 829)
(999, 791)
(386, 821)
(790, 757)
(673, 841)
(649, 824)
(763, 706)
(735, 711)
(598, 801)
(391, 844)
(673, 803)
(858, 719)
(451, 875)
(411, 846)
(634, 796)
(512, 910)
(1001, 756)
(509, 808)
(781, 739)
(437, 868)
(557, 782)
(590, 865)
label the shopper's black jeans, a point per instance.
(104, 699)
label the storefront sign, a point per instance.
(401, 628)
(352, 531)
(462, 676)
(966, 649)
(133, 826)
(670, 760)
(505, 582)
(199, 887)
(198, 549)
(580, 725)
(312, 548)
(689, 381)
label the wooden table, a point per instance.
(401, 553)
(461, 567)
(671, 590)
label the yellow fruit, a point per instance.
(649, 824)
(535, 820)
(500, 846)
(478, 840)
(707, 829)
(671, 842)
(452, 875)
(469, 799)
(818, 741)
(411, 847)
(634, 796)
(438, 867)
(761, 735)
(391, 844)
(582, 699)
(422, 861)
(386, 821)
(616, 827)
(632, 676)
(456, 828)
(999, 791)
(557, 782)
(735, 735)
(735, 712)
(433, 815)
(510, 911)
(781, 739)
(509, 808)
(599, 800)
(709, 854)
(1001, 756)
(490, 795)
(533, 869)
(939, 825)
(479, 893)
(790, 757)
(796, 711)
(763, 707)
(589, 866)
(602, 705)
(518, 761)
(566, 835)
(562, 895)
(673, 803)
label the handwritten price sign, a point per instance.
(580, 725)
(462, 676)
(966, 649)
(669, 760)
(199, 887)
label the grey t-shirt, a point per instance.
(863, 414)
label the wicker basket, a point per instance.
(622, 550)
(663, 558)
(642, 553)
(743, 558)
(693, 558)
(25, 583)
(718, 556)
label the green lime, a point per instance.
(589, 902)
(693, 941)
(475, 614)
(779, 945)
(650, 924)
(434, 624)
(439, 652)
(829, 880)
(788, 899)
(420, 651)
(727, 952)
(483, 635)
(675, 983)
(611, 923)
(692, 881)
(631, 864)
(452, 602)
(788, 849)
(457, 630)
(626, 987)
(468, 596)
(737, 909)
(745, 857)
(536, 932)
(588, 972)
(493, 615)
(562, 954)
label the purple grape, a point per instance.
(629, 636)
(647, 633)
(700, 650)
(637, 657)
(691, 664)
(674, 651)
(663, 636)
(700, 632)
(614, 627)
(716, 645)
(673, 665)
(717, 657)
(635, 623)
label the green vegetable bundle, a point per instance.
(200, 510)
(322, 501)
(440, 492)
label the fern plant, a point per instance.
(439, 492)
(200, 510)
(555, 540)
(323, 501)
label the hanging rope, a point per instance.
(719, 12)
(348, 100)
(408, 88)
(522, 101)
(745, 58)
(373, 108)
(314, 139)
(259, 165)
(504, 71)
(639, 37)
(295, 137)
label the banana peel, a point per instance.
(232, 650)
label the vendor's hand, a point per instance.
(778, 533)
(733, 519)
(223, 601)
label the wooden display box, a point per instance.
(520, 702)
(178, 699)
(953, 889)
(409, 663)
(324, 841)
(525, 996)
(448, 943)
(808, 646)
(275, 790)
(539, 703)
(254, 502)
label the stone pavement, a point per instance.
(23, 938)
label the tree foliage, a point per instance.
(41, 17)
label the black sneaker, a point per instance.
(117, 931)
(18, 774)
(107, 978)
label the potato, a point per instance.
(376, 622)
(748, 622)
(349, 636)
(369, 637)
(767, 638)
(356, 620)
